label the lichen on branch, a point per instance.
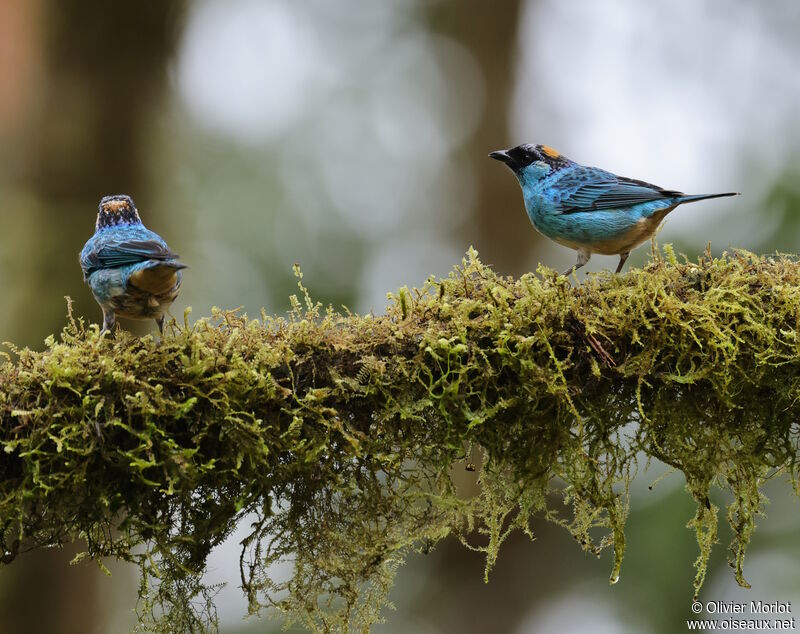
(333, 436)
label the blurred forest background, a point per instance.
(351, 136)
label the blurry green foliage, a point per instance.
(335, 435)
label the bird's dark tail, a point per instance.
(694, 198)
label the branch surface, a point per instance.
(335, 436)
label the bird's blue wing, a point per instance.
(592, 189)
(132, 252)
(116, 252)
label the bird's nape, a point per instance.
(118, 209)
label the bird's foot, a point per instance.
(583, 258)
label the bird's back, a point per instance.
(123, 247)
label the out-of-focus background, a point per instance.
(351, 136)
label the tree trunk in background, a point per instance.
(103, 72)
(499, 227)
(458, 600)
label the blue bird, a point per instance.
(587, 208)
(130, 269)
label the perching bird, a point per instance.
(586, 208)
(130, 269)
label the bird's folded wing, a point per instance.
(592, 189)
(121, 254)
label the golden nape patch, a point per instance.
(550, 151)
(115, 205)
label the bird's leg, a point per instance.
(160, 322)
(583, 258)
(622, 258)
(109, 319)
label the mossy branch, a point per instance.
(335, 435)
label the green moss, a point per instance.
(335, 435)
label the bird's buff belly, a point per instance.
(602, 239)
(136, 303)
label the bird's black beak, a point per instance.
(501, 155)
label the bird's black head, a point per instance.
(518, 158)
(116, 210)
